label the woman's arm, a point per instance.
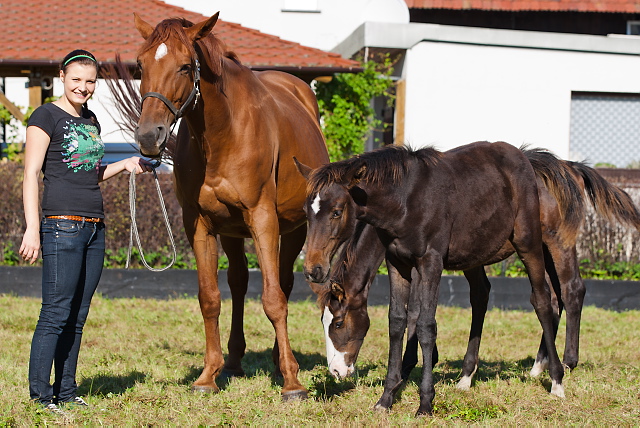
(35, 152)
(133, 164)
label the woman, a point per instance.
(63, 141)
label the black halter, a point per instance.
(194, 95)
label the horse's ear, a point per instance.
(357, 176)
(338, 291)
(303, 169)
(144, 28)
(202, 29)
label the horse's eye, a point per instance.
(139, 66)
(186, 68)
(336, 214)
(338, 324)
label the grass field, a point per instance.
(139, 358)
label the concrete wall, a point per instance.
(506, 293)
(459, 93)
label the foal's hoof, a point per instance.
(228, 372)
(202, 389)
(298, 394)
(380, 408)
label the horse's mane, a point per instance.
(388, 164)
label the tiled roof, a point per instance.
(36, 31)
(617, 6)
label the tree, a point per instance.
(346, 114)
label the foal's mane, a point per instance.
(388, 164)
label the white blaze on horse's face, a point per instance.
(161, 51)
(315, 206)
(337, 365)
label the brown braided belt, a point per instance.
(76, 218)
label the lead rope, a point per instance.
(134, 226)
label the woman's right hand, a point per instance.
(30, 246)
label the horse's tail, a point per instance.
(609, 200)
(127, 101)
(561, 182)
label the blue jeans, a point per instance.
(72, 255)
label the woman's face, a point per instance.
(79, 82)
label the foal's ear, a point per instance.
(202, 29)
(338, 291)
(357, 176)
(143, 27)
(303, 169)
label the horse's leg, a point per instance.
(263, 224)
(410, 357)
(528, 244)
(542, 358)
(290, 246)
(238, 277)
(400, 286)
(430, 270)
(572, 293)
(479, 288)
(205, 248)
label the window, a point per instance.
(633, 28)
(605, 128)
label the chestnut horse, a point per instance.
(460, 210)
(234, 174)
(561, 190)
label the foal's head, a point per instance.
(168, 62)
(331, 217)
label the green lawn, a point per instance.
(139, 358)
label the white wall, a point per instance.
(459, 93)
(323, 26)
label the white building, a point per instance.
(577, 95)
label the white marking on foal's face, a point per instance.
(315, 206)
(335, 359)
(161, 51)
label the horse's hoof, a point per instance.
(298, 394)
(539, 367)
(380, 408)
(202, 389)
(464, 384)
(233, 372)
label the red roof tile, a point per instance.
(39, 30)
(617, 6)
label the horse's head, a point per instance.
(331, 218)
(169, 77)
(346, 322)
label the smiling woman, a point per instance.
(64, 143)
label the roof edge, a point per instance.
(405, 36)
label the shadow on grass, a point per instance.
(102, 385)
(450, 371)
(257, 363)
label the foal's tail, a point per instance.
(561, 181)
(609, 201)
(569, 181)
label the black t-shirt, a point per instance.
(72, 163)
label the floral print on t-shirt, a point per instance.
(83, 146)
